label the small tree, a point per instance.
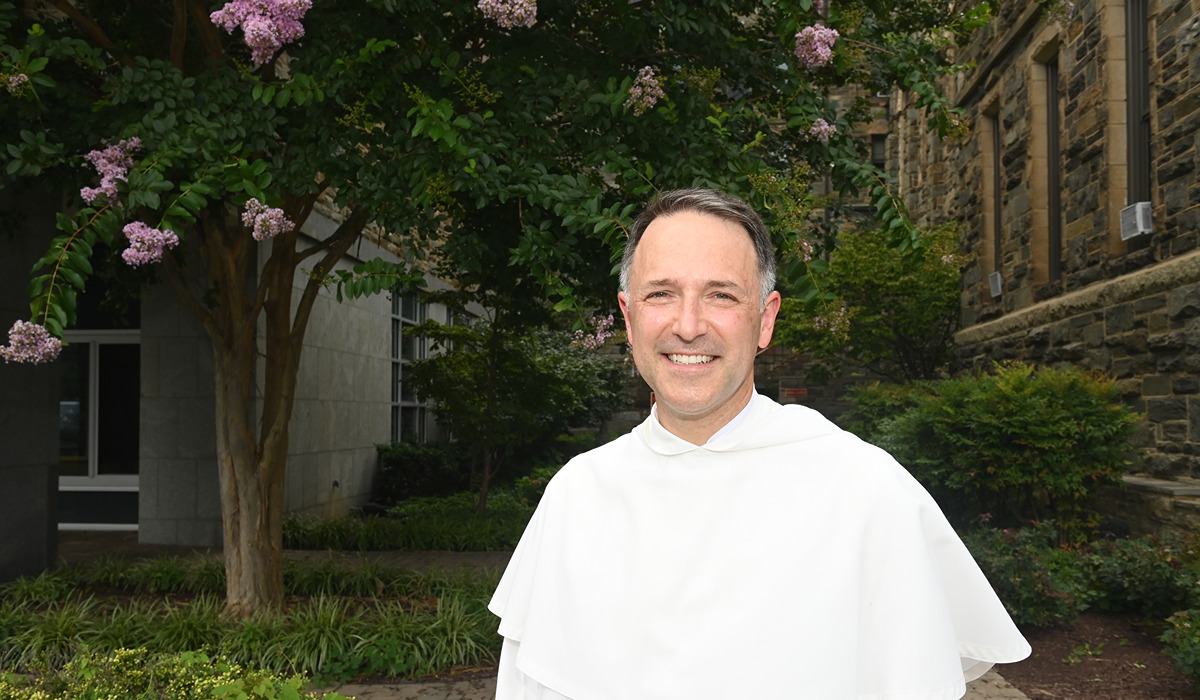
(497, 389)
(872, 308)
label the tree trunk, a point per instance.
(251, 500)
(252, 427)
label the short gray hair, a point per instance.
(713, 203)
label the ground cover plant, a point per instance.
(341, 619)
(420, 524)
(135, 674)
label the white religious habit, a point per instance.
(785, 558)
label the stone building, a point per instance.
(1078, 191)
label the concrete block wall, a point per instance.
(341, 412)
(343, 399)
(178, 496)
(28, 410)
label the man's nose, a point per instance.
(690, 323)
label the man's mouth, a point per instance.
(690, 359)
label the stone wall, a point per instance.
(1128, 308)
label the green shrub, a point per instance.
(432, 523)
(1020, 444)
(452, 522)
(136, 674)
(1146, 576)
(409, 470)
(531, 487)
(872, 405)
(1040, 583)
(1182, 643)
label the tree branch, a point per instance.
(336, 247)
(93, 30)
(209, 38)
(179, 32)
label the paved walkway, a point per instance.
(76, 546)
(990, 687)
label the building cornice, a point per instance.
(1161, 277)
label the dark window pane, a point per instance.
(412, 424)
(119, 396)
(73, 410)
(409, 311)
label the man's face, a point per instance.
(695, 320)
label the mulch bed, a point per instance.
(1100, 657)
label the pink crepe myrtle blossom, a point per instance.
(646, 91)
(806, 250)
(267, 25)
(146, 245)
(601, 332)
(31, 344)
(821, 130)
(510, 13)
(112, 163)
(263, 221)
(16, 83)
(814, 45)
(836, 322)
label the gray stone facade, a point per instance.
(1130, 308)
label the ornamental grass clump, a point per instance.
(344, 619)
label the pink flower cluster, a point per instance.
(112, 163)
(806, 251)
(31, 344)
(601, 332)
(814, 45)
(266, 24)
(266, 222)
(146, 245)
(836, 323)
(821, 130)
(646, 91)
(17, 83)
(510, 13)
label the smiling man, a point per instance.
(730, 547)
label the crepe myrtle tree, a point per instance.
(487, 140)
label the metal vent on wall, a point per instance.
(1135, 220)
(995, 284)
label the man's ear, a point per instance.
(766, 327)
(623, 302)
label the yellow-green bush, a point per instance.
(134, 674)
